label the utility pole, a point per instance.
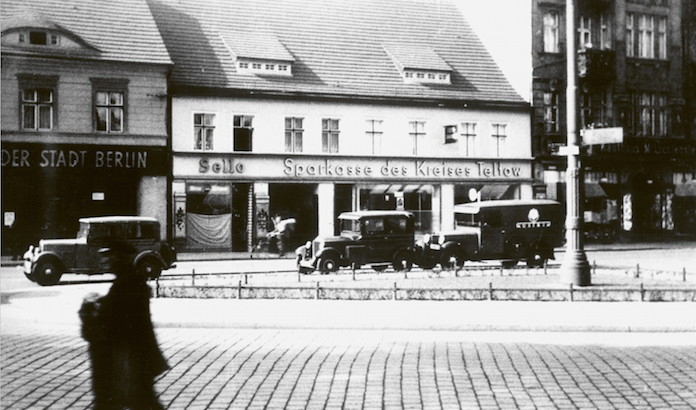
(575, 268)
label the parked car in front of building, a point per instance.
(506, 230)
(376, 238)
(46, 263)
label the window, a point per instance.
(109, 111)
(604, 32)
(374, 133)
(37, 100)
(417, 132)
(109, 104)
(585, 33)
(646, 37)
(293, 134)
(329, 135)
(650, 41)
(551, 114)
(37, 109)
(242, 132)
(256, 66)
(662, 38)
(630, 35)
(499, 133)
(270, 67)
(243, 66)
(469, 138)
(652, 114)
(203, 130)
(551, 30)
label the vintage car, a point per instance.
(377, 238)
(46, 263)
(505, 230)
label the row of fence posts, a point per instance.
(456, 274)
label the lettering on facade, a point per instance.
(54, 158)
(224, 166)
(419, 169)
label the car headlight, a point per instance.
(426, 239)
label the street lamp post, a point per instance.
(575, 269)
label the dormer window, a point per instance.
(263, 68)
(258, 51)
(419, 64)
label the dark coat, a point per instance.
(123, 346)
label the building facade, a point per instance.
(639, 153)
(84, 117)
(304, 110)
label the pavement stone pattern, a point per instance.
(49, 368)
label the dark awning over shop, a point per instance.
(594, 190)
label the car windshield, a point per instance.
(84, 231)
(350, 226)
(463, 219)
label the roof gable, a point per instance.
(339, 48)
(119, 30)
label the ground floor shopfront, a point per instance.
(47, 188)
(636, 188)
(226, 203)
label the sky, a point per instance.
(504, 27)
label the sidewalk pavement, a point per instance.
(59, 305)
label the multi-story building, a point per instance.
(84, 116)
(631, 84)
(306, 109)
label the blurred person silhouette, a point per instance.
(283, 229)
(122, 343)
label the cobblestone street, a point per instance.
(361, 369)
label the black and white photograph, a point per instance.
(333, 204)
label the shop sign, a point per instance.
(338, 168)
(80, 157)
(652, 147)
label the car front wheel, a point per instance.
(328, 264)
(536, 258)
(403, 261)
(452, 259)
(149, 267)
(48, 273)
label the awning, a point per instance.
(594, 190)
(685, 189)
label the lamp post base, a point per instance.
(575, 268)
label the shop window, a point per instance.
(329, 135)
(374, 133)
(499, 134)
(203, 131)
(243, 132)
(293, 134)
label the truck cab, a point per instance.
(506, 230)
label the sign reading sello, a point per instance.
(277, 167)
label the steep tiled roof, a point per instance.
(119, 30)
(339, 48)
